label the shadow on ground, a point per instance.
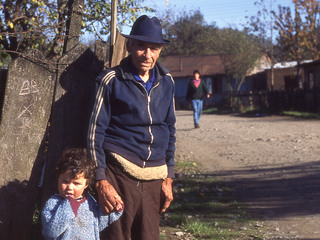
(279, 191)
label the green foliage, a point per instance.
(36, 215)
(302, 114)
(198, 228)
(239, 52)
(299, 36)
(189, 34)
(41, 24)
(187, 167)
(23, 24)
(297, 33)
(261, 24)
(5, 59)
(97, 14)
(206, 209)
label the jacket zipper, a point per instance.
(150, 118)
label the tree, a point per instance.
(239, 52)
(299, 37)
(41, 24)
(261, 25)
(189, 34)
(299, 33)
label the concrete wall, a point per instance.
(45, 109)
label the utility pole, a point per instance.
(75, 9)
(297, 45)
(113, 30)
(271, 50)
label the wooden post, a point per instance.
(75, 8)
(119, 50)
(113, 30)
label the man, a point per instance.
(132, 136)
(197, 89)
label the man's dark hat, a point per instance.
(147, 30)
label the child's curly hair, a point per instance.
(77, 161)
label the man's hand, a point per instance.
(167, 194)
(108, 198)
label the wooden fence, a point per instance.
(278, 101)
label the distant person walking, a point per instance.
(197, 89)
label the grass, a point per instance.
(302, 114)
(205, 209)
(210, 110)
(229, 111)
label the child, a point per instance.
(74, 213)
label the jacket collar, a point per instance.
(126, 65)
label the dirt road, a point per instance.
(272, 162)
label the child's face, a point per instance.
(72, 187)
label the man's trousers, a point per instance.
(141, 215)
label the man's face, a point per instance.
(144, 55)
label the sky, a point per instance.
(225, 13)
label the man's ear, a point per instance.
(128, 46)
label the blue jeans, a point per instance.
(197, 110)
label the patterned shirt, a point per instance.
(60, 222)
